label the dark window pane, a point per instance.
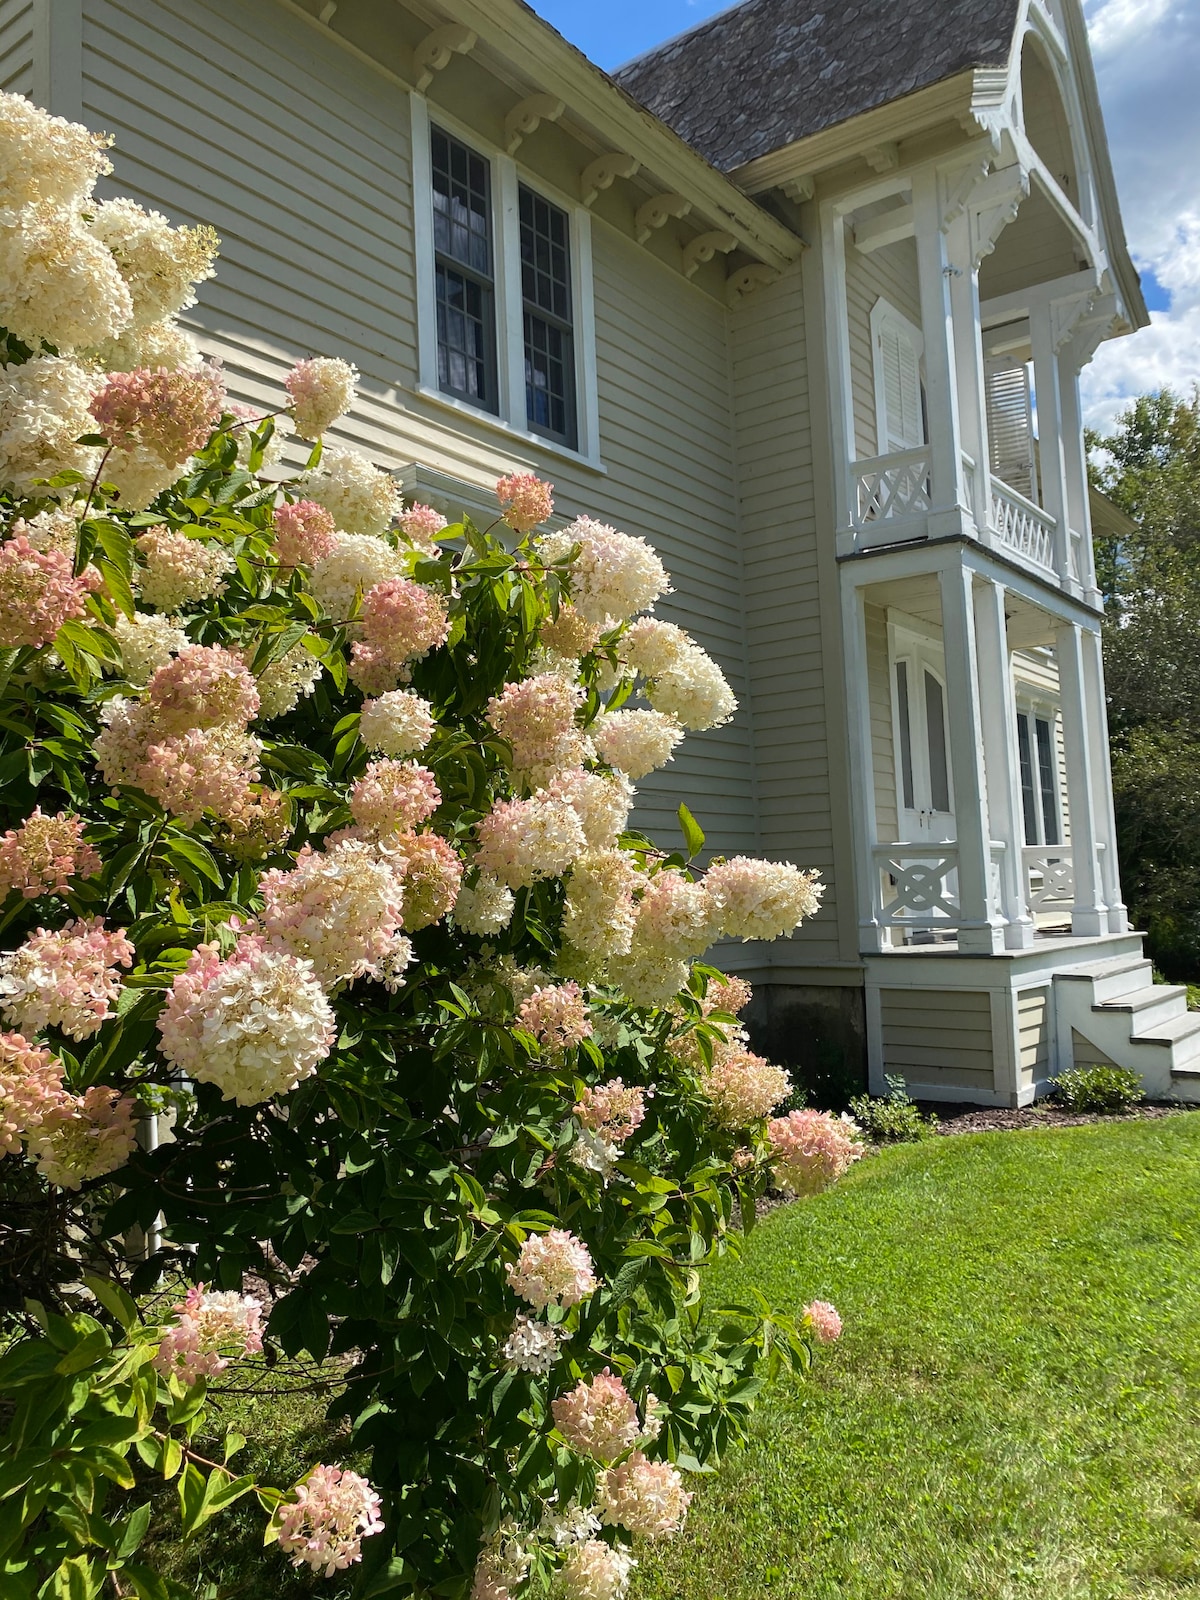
(549, 337)
(1045, 746)
(465, 293)
(905, 719)
(935, 727)
(1028, 794)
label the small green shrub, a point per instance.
(1098, 1089)
(892, 1119)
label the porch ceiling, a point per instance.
(919, 597)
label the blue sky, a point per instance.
(1147, 56)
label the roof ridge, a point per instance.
(684, 33)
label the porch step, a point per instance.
(1115, 1008)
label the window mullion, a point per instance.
(510, 305)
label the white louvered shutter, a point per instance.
(1010, 425)
(901, 425)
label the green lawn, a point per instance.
(1013, 1409)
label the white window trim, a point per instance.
(1040, 706)
(883, 312)
(507, 178)
(920, 650)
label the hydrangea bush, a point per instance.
(343, 1015)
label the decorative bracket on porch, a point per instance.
(883, 157)
(744, 280)
(433, 53)
(956, 189)
(704, 247)
(527, 116)
(994, 205)
(1067, 315)
(800, 189)
(654, 212)
(1091, 330)
(603, 173)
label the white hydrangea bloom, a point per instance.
(57, 283)
(693, 691)
(56, 529)
(532, 1346)
(160, 263)
(599, 916)
(148, 641)
(289, 679)
(158, 345)
(596, 1571)
(647, 977)
(484, 908)
(321, 390)
(572, 1525)
(601, 802)
(614, 576)
(636, 742)
(396, 724)
(44, 409)
(357, 561)
(178, 570)
(45, 158)
(357, 495)
(652, 647)
(140, 475)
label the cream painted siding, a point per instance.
(889, 274)
(1034, 1025)
(779, 545)
(299, 154)
(16, 46)
(879, 687)
(938, 1036)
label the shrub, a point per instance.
(310, 857)
(1098, 1088)
(893, 1117)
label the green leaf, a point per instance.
(693, 833)
(113, 1298)
(75, 1578)
(134, 1531)
(193, 1490)
(194, 854)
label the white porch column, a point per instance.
(969, 370)
(999, 721)
(980, 928)
(1052, 476)
(1079, 516)
(871, 936)
(949, 494)
(1090, 916)
(1106, 822)
(837, 364)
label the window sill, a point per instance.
(487, 419)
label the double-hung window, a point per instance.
(1038, 758)
(504, 291)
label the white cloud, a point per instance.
(1147, 55)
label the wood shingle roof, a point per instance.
(770, 72)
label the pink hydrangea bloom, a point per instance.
(728, 994)
(525, 500)
(644, 1496)
(422, 524)
(557, 1016)
(597, 1419)
(321, 390)
(208, 1328)
(812, 1149)
(824, 1321)
(537, 717)
(742, 1087)
(612, 1110)
(201, 770)
(323, 1526)
(676, 917)
(169, 413)
(431, 873)
(393, 797)
(80, 1137)
(552, 1268)
(521, 841)
(39, 592)
(66, 979)
(404, 618)
(339, 908)
(304, 533)
(44, 854)
(31, 1082)
(762, 899)
(204, 686)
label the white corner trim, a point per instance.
(422, 188)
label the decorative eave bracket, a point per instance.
(883, 157)
(433, 53)
(653, 213)
(994, 204)
(527, 116)
(704, 247)
(744, 280)
(603, 173)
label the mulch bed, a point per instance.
(985, 1119)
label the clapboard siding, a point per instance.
(788, 690)
(300, 156)
(16, 46)
(889, 274)
(1034, 1024)
(938, 1036)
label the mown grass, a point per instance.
(1013, 1409)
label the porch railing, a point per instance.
(1022, 527)
(891, 488)
(1049, 877)
(917, 887)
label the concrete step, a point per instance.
(1182, 1036)
(1111, 980)
(1147, 1008)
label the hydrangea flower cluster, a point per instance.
(255, 1024)
(824, 1320)
(31, 1081)
(522, 841)
(208, 1327)
(287, 680)
(485, 906)
(762, 899)
(38, 593)
(613, 1110)
(532, 1346)
(636, 742)
(552, 1268)
(170, 414)
(601, 801)
(596, 1571)
(676, 917)
(644, 1496)
(353, 567)
(613, 576)
(339, 909)
(304, 533)
(58, 283)
(66, 978)
(598, 1419)
(360, 497)
(401, 622)
(393, 797)
(179, 571)
(525, 501)
(398, 723)
(148, 640)
(44, 411)
(204, 686)
(569, 636)
(44, 854)
(537, 717)
(812, 1149)
(420, 525)
(431, 876)
(742, 1087)
(81, 1137)
(599, 916)
(557, 1016)
(321, 390)
(160, 264)
(329, 1515)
